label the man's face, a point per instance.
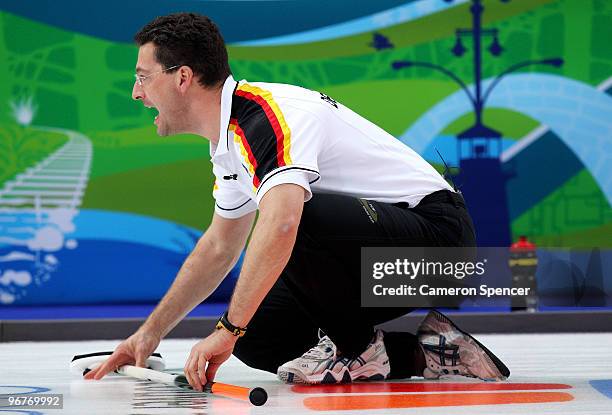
(159, 90)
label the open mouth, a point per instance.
(155, 121)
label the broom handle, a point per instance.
(257, 396)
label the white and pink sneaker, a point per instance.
(321, 364)
(449, 350)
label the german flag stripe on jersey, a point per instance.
(264, 127)
(245, 150)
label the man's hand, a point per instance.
(214, 350)
(135, 349)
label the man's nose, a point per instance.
(137, 92)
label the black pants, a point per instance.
(320, 286)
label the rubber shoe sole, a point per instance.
(326, 377)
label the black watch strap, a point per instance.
(224, 323)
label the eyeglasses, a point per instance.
(140, 79)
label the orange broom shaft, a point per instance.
(234, 391)
(257, 396)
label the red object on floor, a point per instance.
(395, 401)
(392, 387)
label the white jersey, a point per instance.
(275, 133)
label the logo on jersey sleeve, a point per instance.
(329, 100)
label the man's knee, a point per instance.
(254, 356)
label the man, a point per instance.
(326, 182)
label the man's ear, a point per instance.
(185, 78)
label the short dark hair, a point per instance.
(188, 39)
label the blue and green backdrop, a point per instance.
(95, 208)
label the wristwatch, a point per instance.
(223, 323)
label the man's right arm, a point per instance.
(212, 258)
(202, 272)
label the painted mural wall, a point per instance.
(94, 207)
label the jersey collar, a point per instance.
(226, 109)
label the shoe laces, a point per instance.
(322, 349)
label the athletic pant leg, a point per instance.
(320, 287)
(323, 272)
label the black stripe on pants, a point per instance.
(320, 286)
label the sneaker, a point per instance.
(321, 364)
(373, 363)
(450, 351)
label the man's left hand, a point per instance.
(206, 357)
